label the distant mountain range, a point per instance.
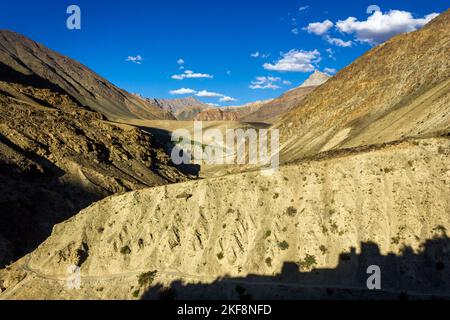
(267, 111)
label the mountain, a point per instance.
(364, 182)
(272, 110)
(29, 63)
(216, 114)
(231, 113)
(398, 89)
(57, 154)
(325, 220)
(316, 79)
(182, 109)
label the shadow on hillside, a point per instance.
(10, 75)
(163, 138)
(32, 200)
(423, 275)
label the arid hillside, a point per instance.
(183, 109)
(398, 89)
(57, 157)
(26, 62)
(389, 203)
(364, 181)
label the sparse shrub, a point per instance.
(276, 196)
(291, 211)
(323, 249)
(283, 245)
(136, 293)
(267, 234)
(269, 261)
(146, 279)
(308, 263)
(125, 250)
(220, 255)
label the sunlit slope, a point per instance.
(398, 89)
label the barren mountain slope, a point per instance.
(398, 89)
(393, 198)
(29, 63)
(216, 115)
(57, 157)
(270, 111)
(183, 109)
(317, 78)
(230, 113)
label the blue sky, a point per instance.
(215, 39)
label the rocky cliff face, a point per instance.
(26, 62)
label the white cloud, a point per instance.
(330, 71)
(304, 8)
(319, 28)
(189, 74)
(338, 42)
(257, 54)
(380, 26)
(180, 61)
(295, 31)
(228, 72)
(295, 61)
(227, 99)
(203, 94)
(330, 53)
(182, 91)
(267, 83)
(287, 83)
(208, 94)
(136, 59)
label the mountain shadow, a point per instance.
(164, 140)
(32, 200)
(409, 275)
